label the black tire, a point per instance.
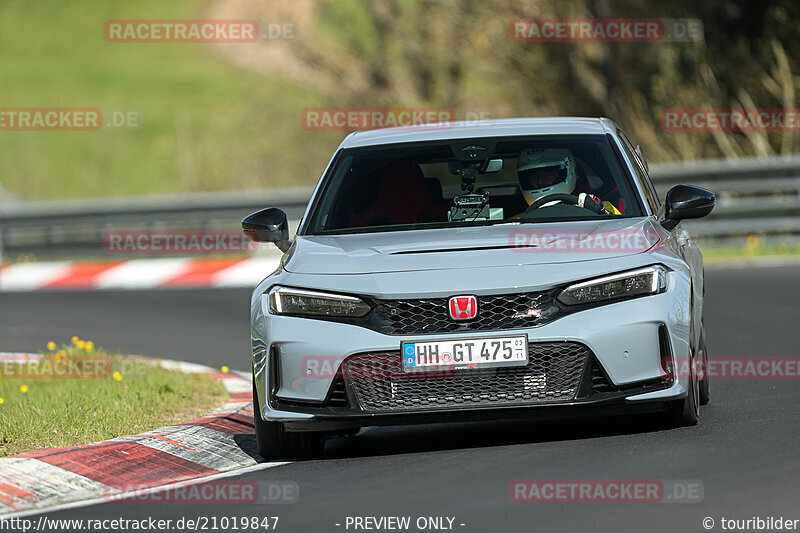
(705, 393)
(686, 412)
(273, 442)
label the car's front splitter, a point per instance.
(636, 400)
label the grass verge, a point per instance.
(205, 123)
(80, 395)
(755, 253)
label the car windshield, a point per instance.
(472, 182)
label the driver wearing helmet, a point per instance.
(552, 171)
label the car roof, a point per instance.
(482, 128)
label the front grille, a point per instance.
(495, 312)
(553, 374)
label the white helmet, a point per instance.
(543, 172)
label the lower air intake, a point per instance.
(553, 374)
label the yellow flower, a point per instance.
(62, 353)
(752, 242)
(80, 344)
(89, 346)
(2, 401)
(51, 346)
(74, 340)
(117, 376)
(58, 357)
(23, 388)
(225, 369)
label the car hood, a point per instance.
(472, 247)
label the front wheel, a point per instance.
(686, 412)
(274, 442)
(705, 393)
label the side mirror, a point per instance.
(268, 225)
(685, 201)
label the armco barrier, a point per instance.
(755, 195)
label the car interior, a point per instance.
(422, 188)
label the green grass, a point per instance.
(38, 413)
(207, 124)
(721, 255)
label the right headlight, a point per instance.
(639, 282)
(288, 301)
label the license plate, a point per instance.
(461, 354)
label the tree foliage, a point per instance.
(459, 54)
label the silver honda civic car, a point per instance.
(470, 271)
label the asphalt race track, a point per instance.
(744, 451)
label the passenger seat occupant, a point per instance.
(553, 171)
(403, 198)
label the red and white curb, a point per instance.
(169, 272)
(221, 441)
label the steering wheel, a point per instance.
(570, 199)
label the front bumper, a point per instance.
(623, 339)
(300, 418)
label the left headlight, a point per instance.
(287, 301)
(639, 282)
